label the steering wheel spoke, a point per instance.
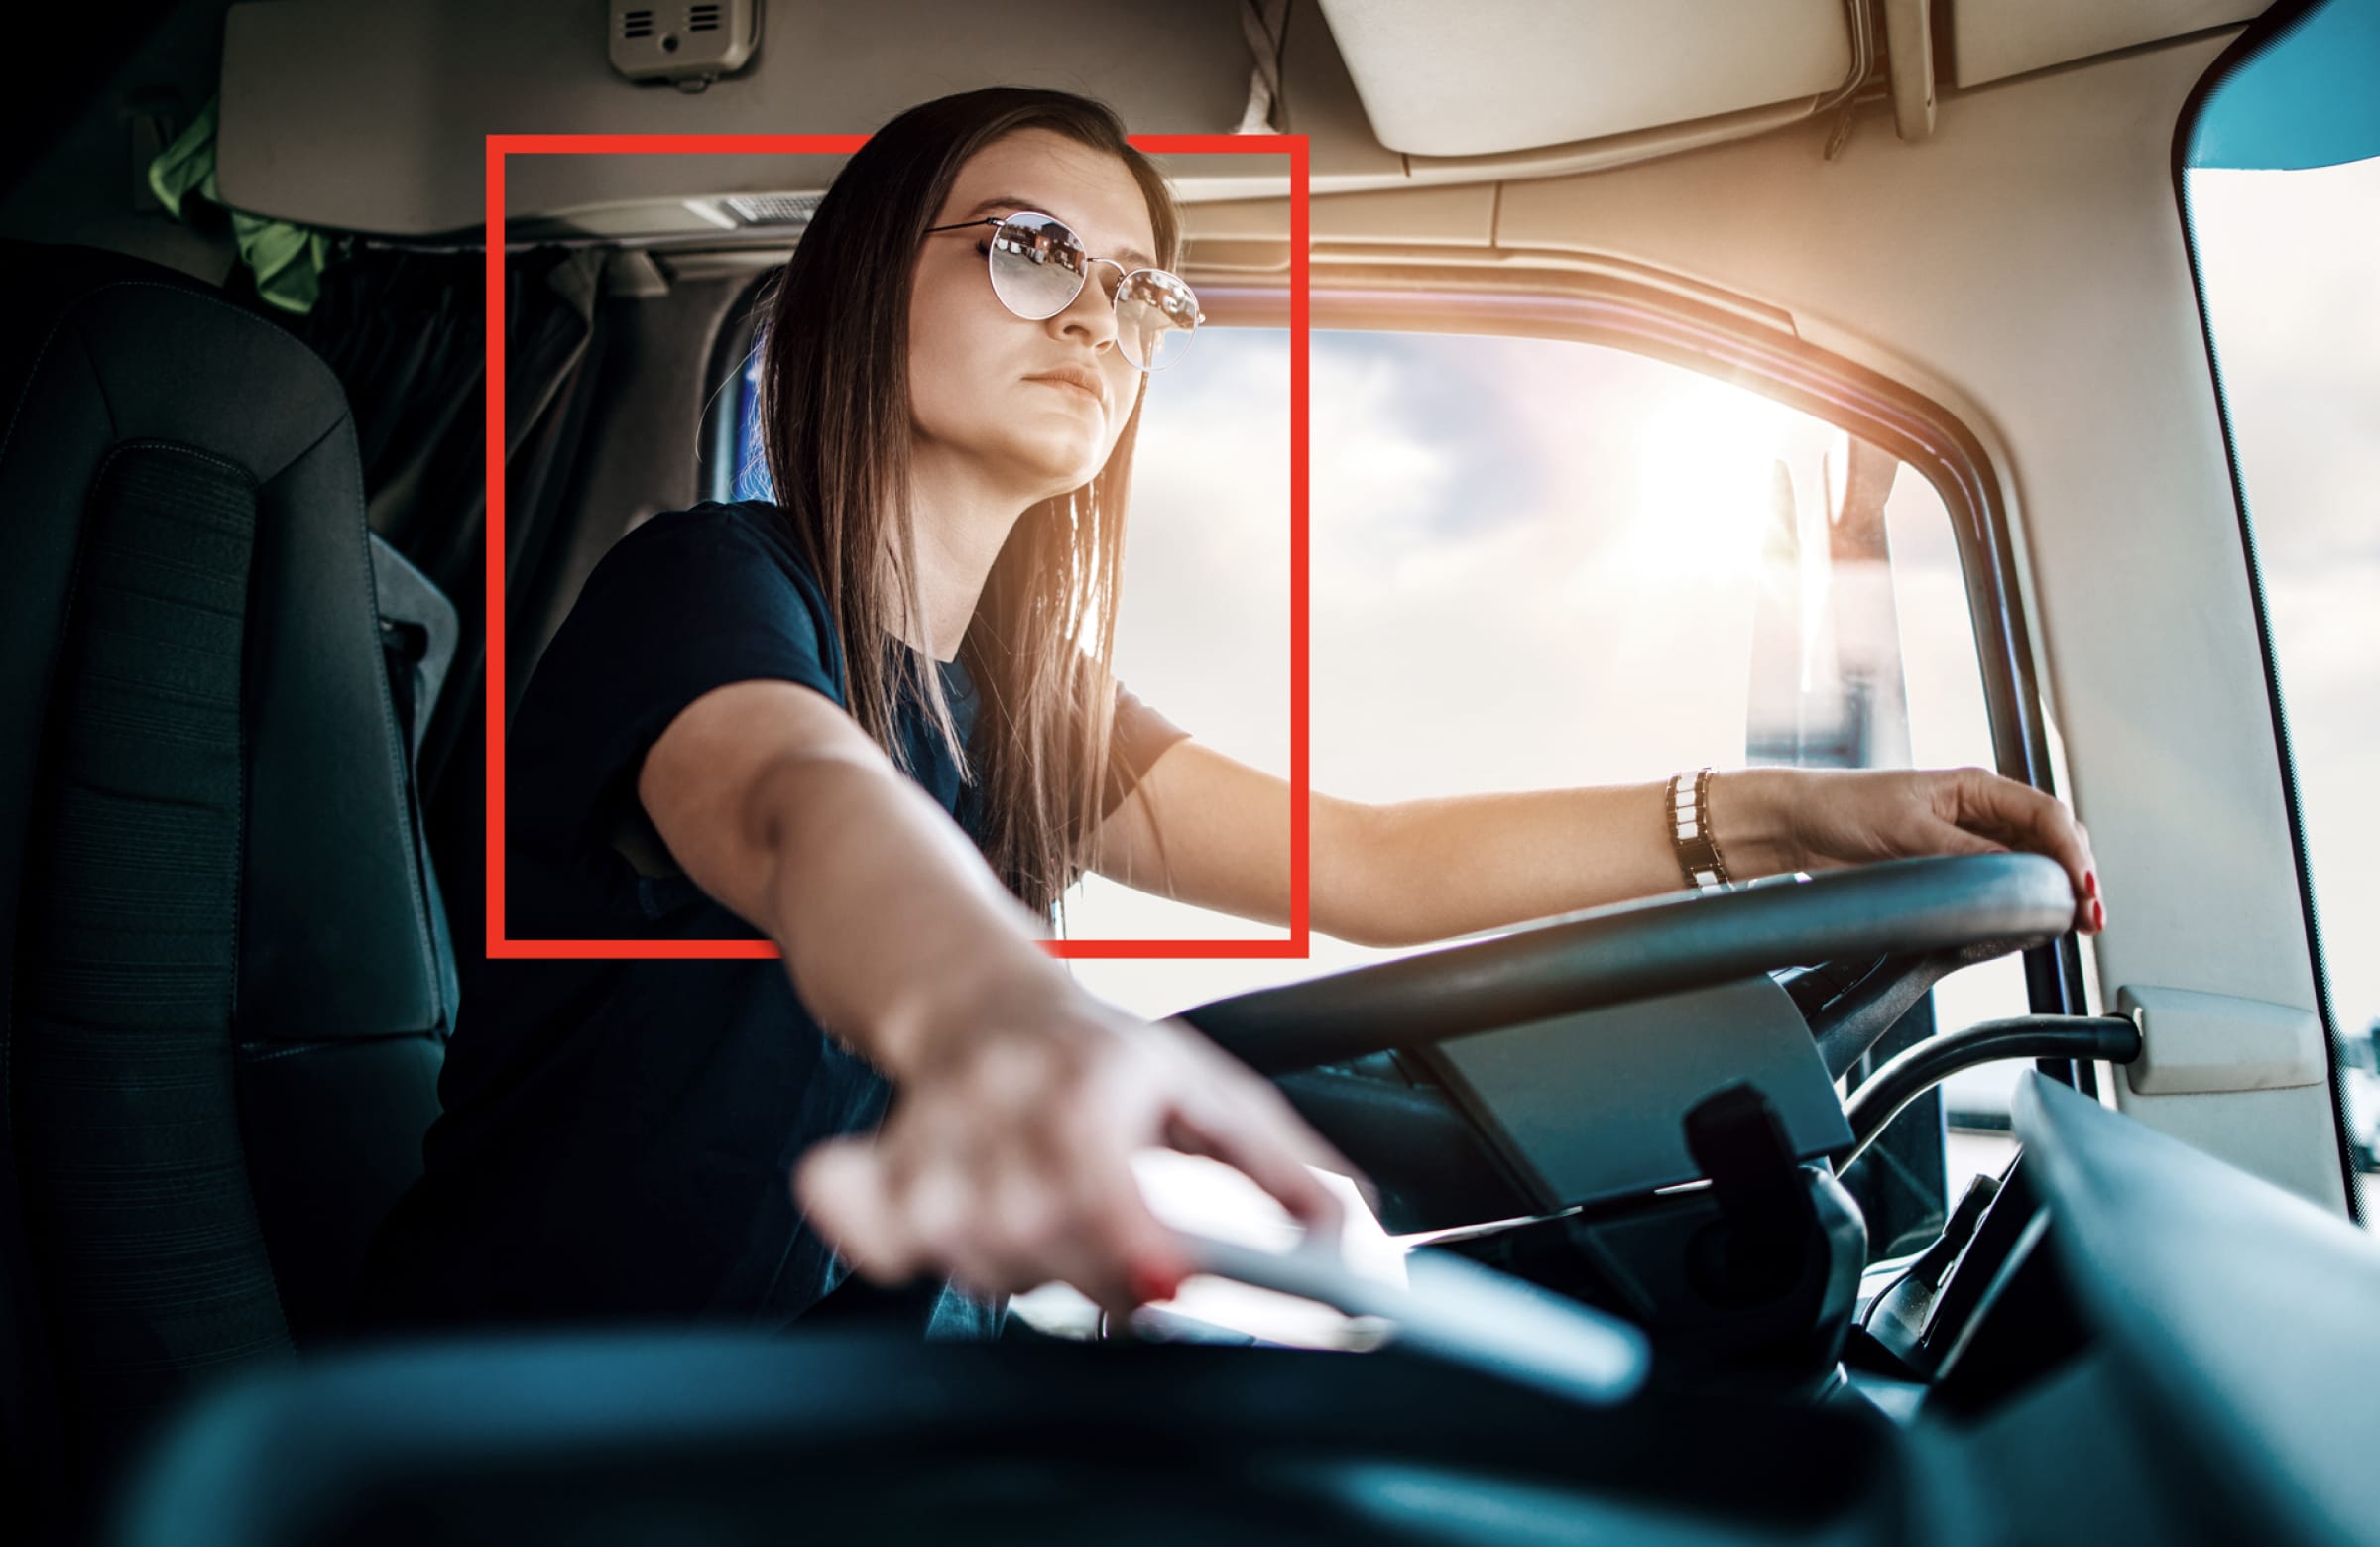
(1848, 1026)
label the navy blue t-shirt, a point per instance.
(616, 1135)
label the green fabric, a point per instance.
(286, 259)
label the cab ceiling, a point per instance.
(371, 115)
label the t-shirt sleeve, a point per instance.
(1140, 736)
(687, 602)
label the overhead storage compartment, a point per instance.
(374, 117)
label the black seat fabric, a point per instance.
(226, 974)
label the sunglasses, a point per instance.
(1039, 267)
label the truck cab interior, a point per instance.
(1830, 382)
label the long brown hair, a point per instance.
(834, 412)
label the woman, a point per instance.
(872, 722)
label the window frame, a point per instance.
(718, 433)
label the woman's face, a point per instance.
(979, 387)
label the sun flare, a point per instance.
(1707, 482)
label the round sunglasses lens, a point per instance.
(1155, 314)
(1036, 266)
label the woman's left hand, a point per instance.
(1788, 819)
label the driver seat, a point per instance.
(227, 976)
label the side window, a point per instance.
(2283, 196)
(1539, 563)
(747, 478)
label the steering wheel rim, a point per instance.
(1644, 949)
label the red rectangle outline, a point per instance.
(1298, 944)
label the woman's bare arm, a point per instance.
(1381, 875)
(1427, 870)
(1006, 1163)
(778, 806)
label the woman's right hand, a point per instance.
(1007, 1160)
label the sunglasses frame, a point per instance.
(1124, 276)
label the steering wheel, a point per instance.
(1898, 926)
(1881, 937)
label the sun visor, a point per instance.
(1495, 76)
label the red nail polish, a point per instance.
(1153, 1284)
(2098, 915)
(2091, 883)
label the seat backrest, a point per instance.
(222, 957)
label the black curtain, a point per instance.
(405, 333)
